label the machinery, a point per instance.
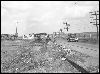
(37, 37)
(41, 37)
(72, 38)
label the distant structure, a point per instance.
(29, 36)
(16, 34)
(10, 36)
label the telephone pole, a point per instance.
(61, 30)
(16, 34)
(96, 20)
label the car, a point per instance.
(72, 38)
(37, 37)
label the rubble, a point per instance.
(38, 57)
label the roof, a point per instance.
(41, 34)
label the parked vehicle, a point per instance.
(42, 37)
(39, 36)
(72, 38)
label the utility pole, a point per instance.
(60, 33)
(96, 19)
(16, 34)
(67, 26)
(61, 30)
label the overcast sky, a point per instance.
(46, 16)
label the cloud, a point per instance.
(77, 11)
(44, 15)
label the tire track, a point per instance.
(79, 68)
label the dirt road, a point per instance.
(92, 51)
(89, 49)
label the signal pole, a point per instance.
(96, 19)
(67, 26)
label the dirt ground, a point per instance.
(92, 51)
(24, 56)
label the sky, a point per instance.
(47, 16)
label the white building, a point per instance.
(29, 36)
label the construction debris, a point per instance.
(33, 57)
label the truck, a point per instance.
(40, 37)
(72, 38)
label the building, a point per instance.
(9, 36)
(29, 36)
